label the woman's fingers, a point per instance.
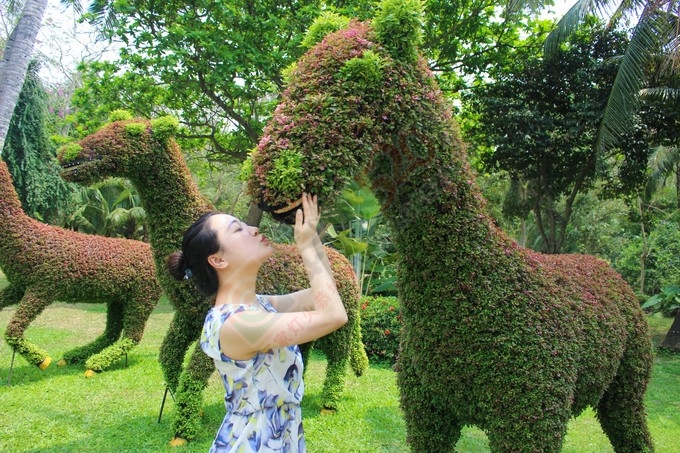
(298, 218)
(310, 206)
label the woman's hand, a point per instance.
(306, 221)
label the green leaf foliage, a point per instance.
(286, 173)
(363, 72)
(135, 129)
(327, 22)
(69, 152)
(666, 302)
(165, 126)
(119, 115)
(538, 122)
(399, 27)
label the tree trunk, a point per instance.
(645, 248)
(672, 340)
(15, 60)
(254, 216)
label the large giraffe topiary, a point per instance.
(495, 335)
(146, 153)
(45, 264)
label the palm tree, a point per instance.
(15, 59)
(655, 33)
(111, 208)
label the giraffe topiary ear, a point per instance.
(164, 126)
(398, 25)
(327, 23)
(119, 115)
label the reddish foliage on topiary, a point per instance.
(145, 152)
(494, 335)
(44, 264)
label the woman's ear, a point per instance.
(217, 261)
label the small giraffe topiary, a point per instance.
(45, 264)
(495, 335)
(146, 153)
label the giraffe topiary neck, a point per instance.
(170, 198)
(12, 216)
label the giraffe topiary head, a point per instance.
(124, 147)
(360, 102)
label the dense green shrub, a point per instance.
(381, 328)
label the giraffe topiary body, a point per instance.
(145, 152)
(46, 264)
(495, 335)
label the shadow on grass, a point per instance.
(23, 373)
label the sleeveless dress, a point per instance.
(263, 394)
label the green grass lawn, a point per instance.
(59, 410)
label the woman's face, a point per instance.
(240, 245)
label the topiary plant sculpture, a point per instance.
(146, 153)
(495, 335)
(44, 264)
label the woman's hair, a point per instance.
(200, 241)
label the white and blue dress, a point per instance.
(263, 394)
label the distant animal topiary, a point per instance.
(494, 335)
(45, 264)
(146, 153)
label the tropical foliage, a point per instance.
(30, 155)
(111, 208)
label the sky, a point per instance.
(65, 43)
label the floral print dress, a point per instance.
(263, 394)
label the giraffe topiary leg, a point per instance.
(526, 426)
(189, 395)
(430, 425)
(621, 410)
(30, 306)
(358, 358)
(334, 384)
(112, 331)
(135, 314)
(182, 333)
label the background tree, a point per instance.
(655, 33)
(466, 40)
(537, 120)
(30, 156)
(16, 57)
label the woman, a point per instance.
(252, 338)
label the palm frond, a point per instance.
(570, 22)
(662, 94)
(662, 164)
(645, 41)
(104, 13)
(138, 214)
(517, 6)
(77, 5)
(614, 9)
(662, 161)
